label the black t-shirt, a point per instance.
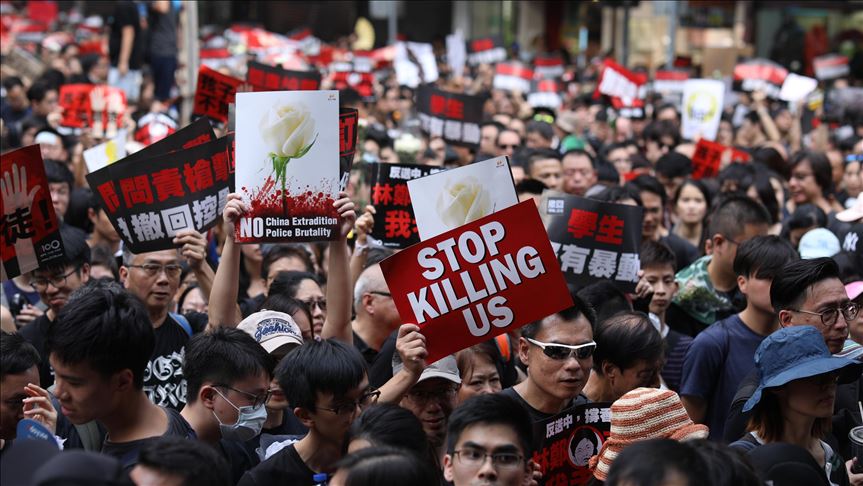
(239, 458)
(369, 353)
(125, 14)
(127, 452)
(537, 415)
(250, 305)
(283, 468)
(163, 378)
(684, 252)
(35, 333)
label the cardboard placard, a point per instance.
(99, 107)
(149, 201)
(454, 117)
(477, 281)
(708, 157)
(287, 151)
(623, 86)
(486, 50)
(106, 153)
(215, 91)
(263, 77)
(796, 87)
(30, 228)
(830, 66)
(548, 66)
(759, 75)
(545, 94)
(415, 64)
(395, 223)
(348, 131)
(195, 133)
(564, 444)
(593, 240)
(702, 108)
(447, 200)
(512, 77)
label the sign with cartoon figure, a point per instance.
(564, 443)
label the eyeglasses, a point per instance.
(565, 351)
(476, 458)
(384, 294)
(41, 283)
(319, 303)
(830, 316)
(732, 240)
(364, 401)
(257, 400)
(424, 397)
(172, 270)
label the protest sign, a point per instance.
(287, 151)
(482, 279)
(263, 77)
(548, 66)
(456, 53)
(98, 107)
(30, 229)
(564, 443)
(830, 66)
(623, 86)
(454, 117)
(106, 153)
(395, 224)
(486, 50)
(362, 83)
(348, 130)
(215, 91)
(702, 108)
(708, 157)
(196, 133)
(545, 94)
(511, 76)
(150, 200)
(25, 63)
(669, 84)
(415, 64)
(154, 127)
(594, 241)
(759, 75)
(445, 201)
(796, 87)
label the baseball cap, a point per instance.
(445, 368)
(853, 213)
(272, 329)
(818, 243)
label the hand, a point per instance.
(123, 68)
(365, 223)
(643, 287)
(16, 206)
(28, 314)
(38, 406)
(347, 215)
(235, 208)
(855, 479)
(193, 247)
(758, 97)
(411, 346)
(534, 475)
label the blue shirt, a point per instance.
(717, 361)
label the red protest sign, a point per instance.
(213, 94)
(348, 124)
(271, 78)
(29, 227)
(626, 88)
(99, 107)
(706, 159)
(472, 283)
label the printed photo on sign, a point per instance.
(702, 108)
(564, 443)
(447, 200)
(452, 116)
(593, 240)
(470, 284)
(287, 152)
(30, 228)
(395, 224)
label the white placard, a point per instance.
(796, 87)
(702, 108)
(106, 153)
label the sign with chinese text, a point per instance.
(482, 279)
(30, 230)
(149, 201)
(564, 443)
(830, 66)
(287, 151)
(759, 75)
(196, 133)
(98, 107)
(450, 199)
(595, 241)
(362, 83)
(548, 66)
(348, 129)
(452, 116)
(626, 88)
(546, 94)
(708, 157)
(214, 93)
(395, 224)
(670, 84)
(510, 76)
(702, 108)
(485, 50)
(263, 77)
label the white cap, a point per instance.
(272, 329)
(818, 243)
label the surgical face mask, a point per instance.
(249, 423)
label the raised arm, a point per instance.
(411, 346)
(223, 309)
(338, 323)
(361, 247)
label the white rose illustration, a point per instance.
(287, 129)
(463, 201)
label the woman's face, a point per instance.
(481, 379)
(310, 293)
(252, 252)
(810, 397)
(852, 180)
(802, 184)
(691, 206)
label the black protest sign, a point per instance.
(395, 224)
(196, 133)
(545, 94)
(595, 240)
(263, 77)
(452, 116)
(485, 50)
(348, 129)
(759, 75)
(564, 443)
(150, 201)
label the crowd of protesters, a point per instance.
(737, 362)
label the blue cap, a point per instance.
(796, 352)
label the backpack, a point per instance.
(183, 322)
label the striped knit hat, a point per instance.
(643, 414)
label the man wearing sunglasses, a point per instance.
(810, 293)
(154, 277)
(558, 353)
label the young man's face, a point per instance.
(70, 279)
(549, 172)
(102, 225)
(507, 143)
(536, 141)
(757, 292)
(619, 157)
(653, 210)
(11, 400)
(484, 438)
(488, 136)
(726, 250)
(561, 379)
(155, 286)
(432, 402)
(333, 426)
(661, 277)
(59, 197)
(83, 392)
(242, 393)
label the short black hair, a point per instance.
(806, 216)
(626, 338)
(648, 183)
(674, 164)
(58, 173)
(16, 354)
(657, 130)
(766, 194)
(491, 123)
(530, 186)
(38, 91)
(763, 257)
(76, 251)
(580, 153)
(387, 424)
(648, 463)
(197, 463)
(544, 129)
(725, 465)
(611, 147)
(102, 255)
(792, 283)
(616, 194)
(571, 313)
(655, 253)
(288, 281)
(541, 154)
(491, 409)
(277, 252)
(105, 327)
(223, 356)
(326, 366)
(605, 299)
(737, 177)
(497, 139)
(280, 302)
(386, 465)
(10, 82)
(606, 172)
(820, 164)
(733, 213)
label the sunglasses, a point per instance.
(565, 351)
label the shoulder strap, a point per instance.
(183, 322)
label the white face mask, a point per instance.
(249, 422)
